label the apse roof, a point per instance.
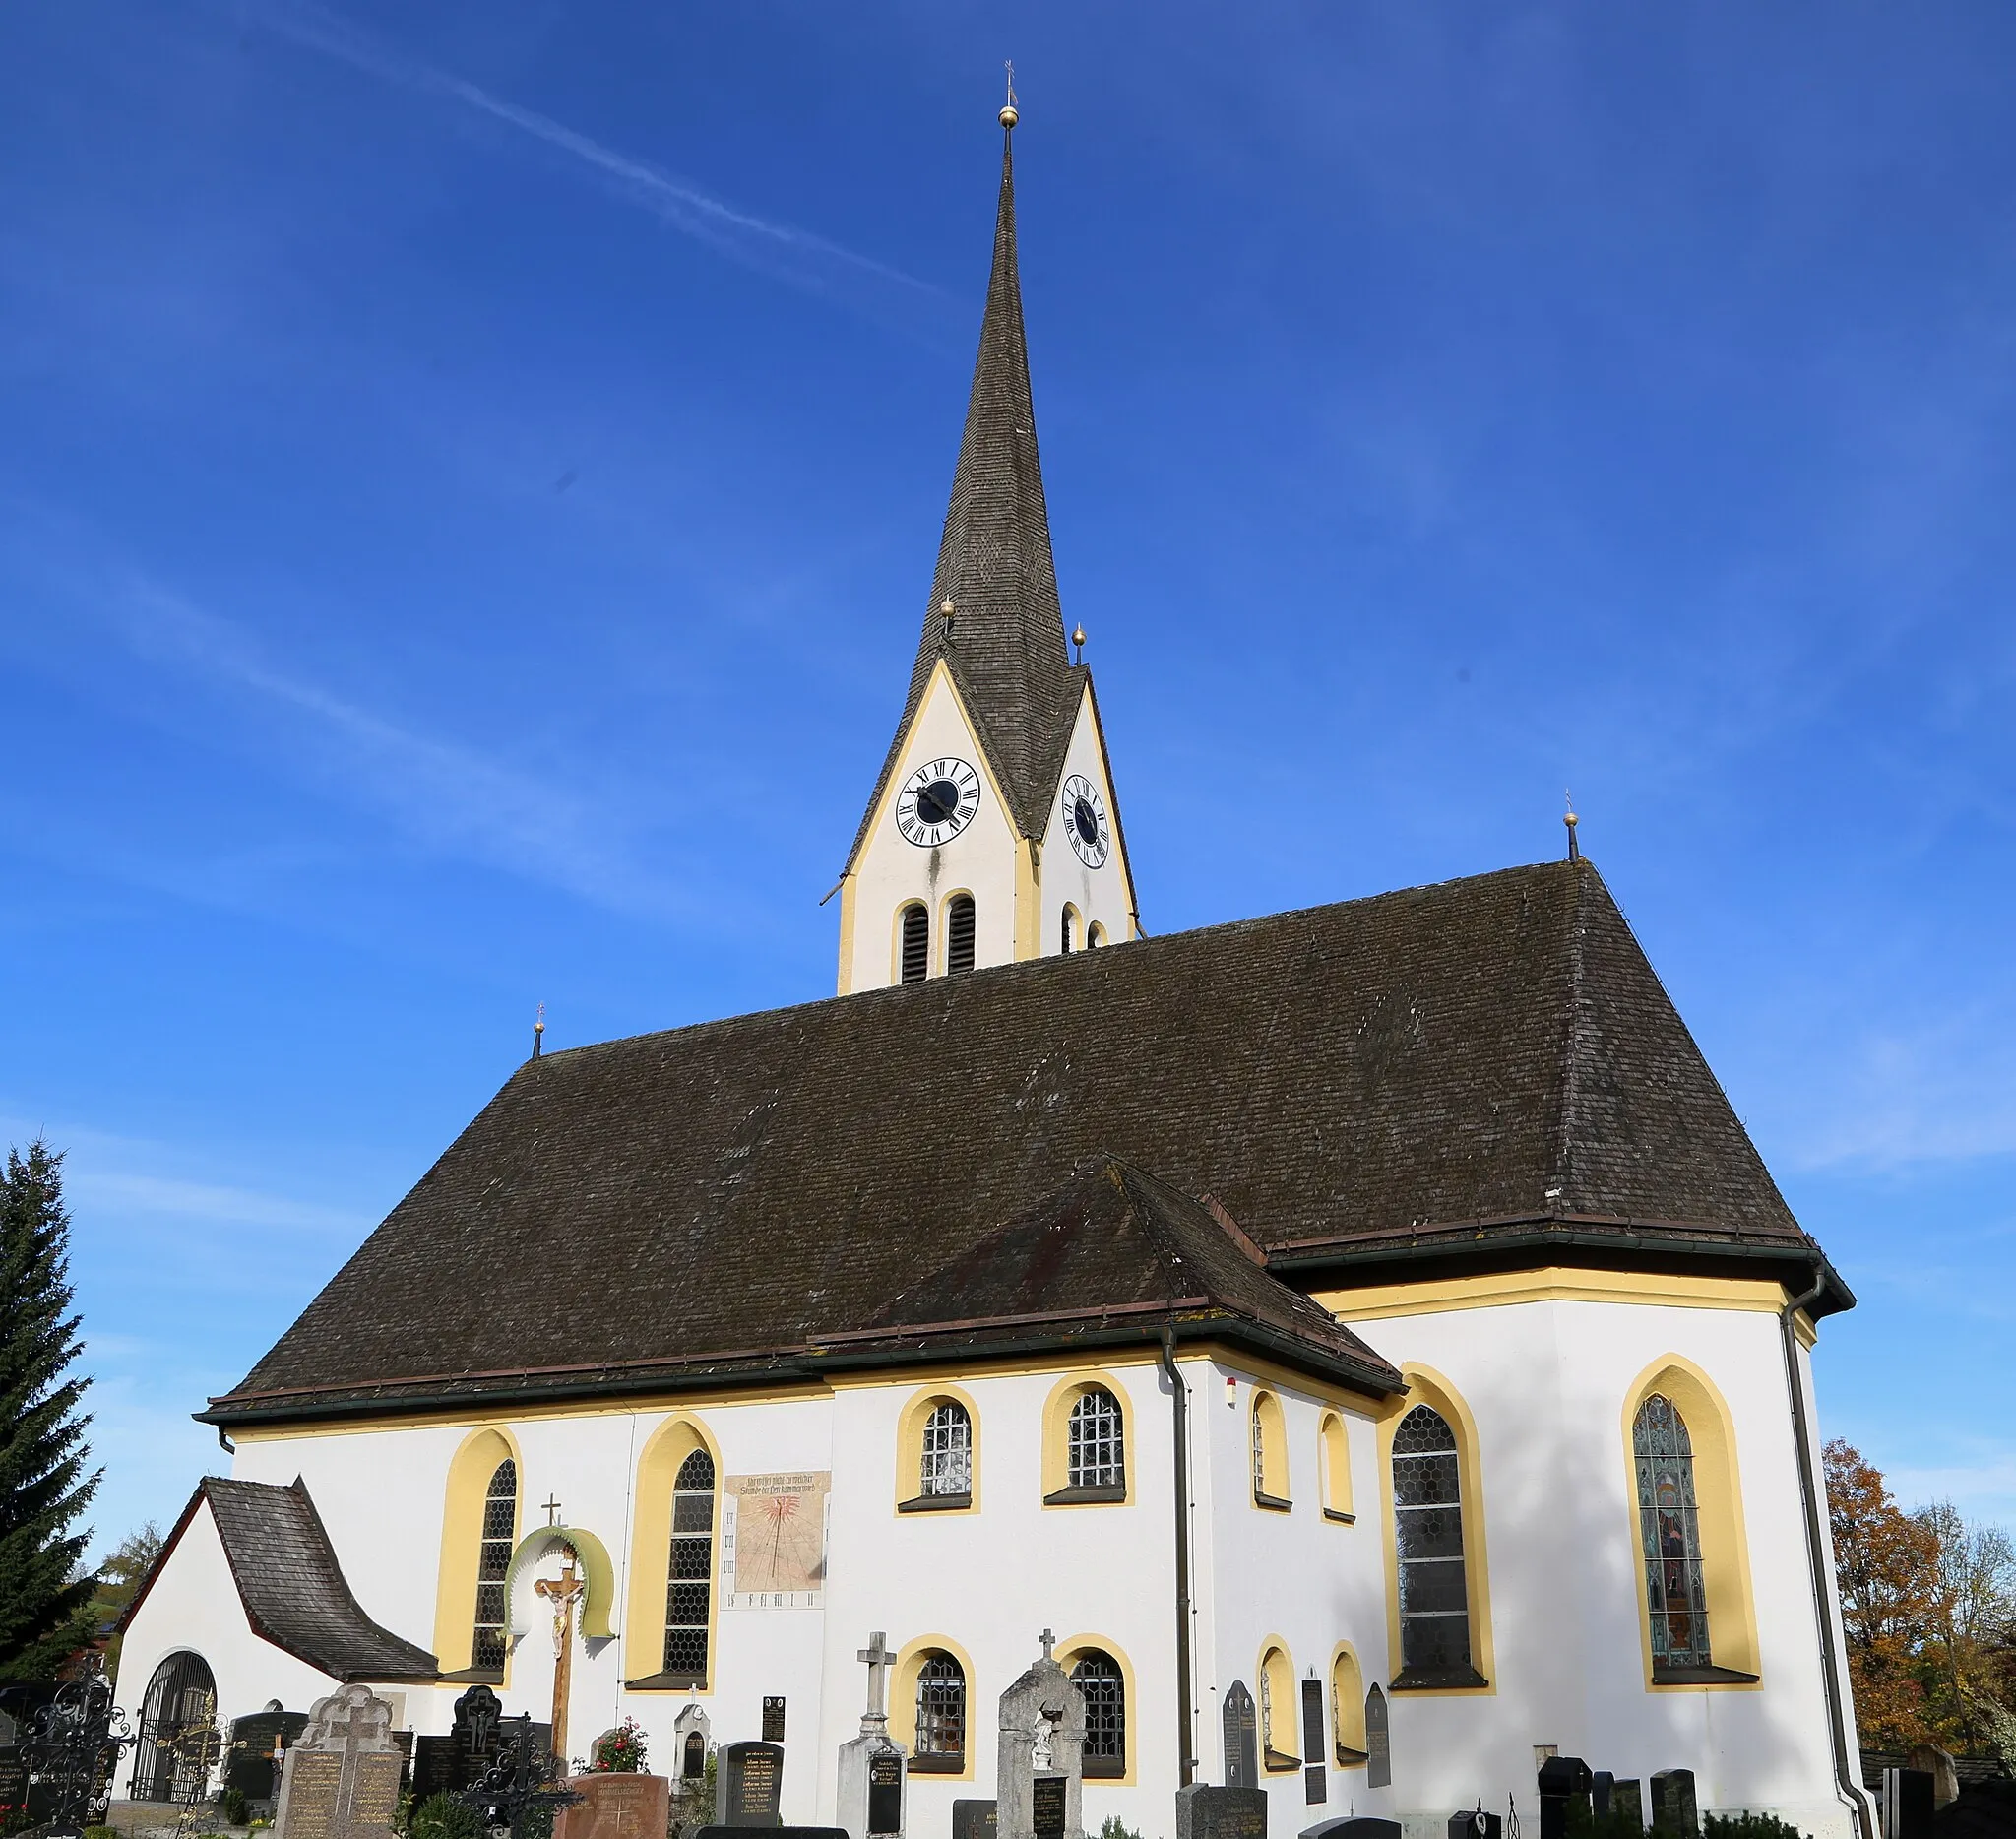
(1461, 1071)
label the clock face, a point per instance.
(937, 802)
(1085, 821)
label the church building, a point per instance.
(1363, 1345)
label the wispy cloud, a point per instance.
(800, 257)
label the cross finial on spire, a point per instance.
(1010, 115)
(1571, 820)
(538, 1032)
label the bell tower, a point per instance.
(993, 833)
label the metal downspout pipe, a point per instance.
(1846, 1780)
(1179, 1398)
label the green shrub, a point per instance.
(101, 1832)
(1583, 1822)
(230, 1802)
(1748, 1826)
(1116, 1829)
(443, 1816)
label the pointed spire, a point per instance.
(993, 613)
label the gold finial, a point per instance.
(1078, 639)
(1010, 115)
(1571, 820)
(538, 1030)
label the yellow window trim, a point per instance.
(1333, 1453)
(909, 1448)
(1427, 1387)
(469, 1469)
(1056, 1437)
(903, 1701)
(1269, 1493)
(1347, 1708)
(651, 1552)
(1719, 1506)
(1072, 1650)
(1272, 1647)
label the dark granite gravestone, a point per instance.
(1378, 1742)
(446, 1765)
(1241, 1738)
(1562, 1780)
(974, 1820)
(1204, 1812)
(1360, 1829)
(785, 1832)
(885, 1793)
(748, 1785)
(1674, 1812)
(1600, 1785)
(1475, 1825)
(1315, 1784)
(773, 1720)
(693, 1764)
(1312, 1720)
(1628, 1797)
(248, 1763)
(1049, 1805)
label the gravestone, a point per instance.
(773, 1720)
(446, 1765)
(691, 1732)
(1378, 1742)
(1040, 1774)
(1562, 1780)
(1674, 1812)
(748, 1784)
(1938, 1765)
(1600, 1785)
(248, 1765)
(974, 1820)
(1627, 1799)
(1241, 1738)
(615, 1804)
(341, 1777)
(1475, 1825)
(871, 1765)
(1205, 1812)
(1362, 1828)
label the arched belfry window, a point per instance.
(915, 956)
(1099, 1677)
(493, 1559)
(1676, 1593)
(959, 924)
(689, 1590)
(942, 1714)
(1095, 1454)
(945, 1466)
(1068, 939)
(1434, 1594)
(1095, 936)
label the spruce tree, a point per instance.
(46, 1603)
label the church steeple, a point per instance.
(994, 706)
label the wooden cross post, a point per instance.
(564, 1592)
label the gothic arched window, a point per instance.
(1099, 1677)
(916, 963)
(493, 1559)
(959, 924)
(1427, 1508)
(1670, 1525)
(942, 1714)
(1069, 937)
(1095, 1454)
(689, 1590)
(945, 1466)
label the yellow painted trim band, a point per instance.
(1554, 1283)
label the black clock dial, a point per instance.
(1086, 826)
(1085, 820)
(938, 802)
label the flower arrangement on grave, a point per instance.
(618, 1751)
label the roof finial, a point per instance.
(538, 1030)
(1078, 639)
(1009, 113)
(1571, 820)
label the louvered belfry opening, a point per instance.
(917, 945)
(959, 933)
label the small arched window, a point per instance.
(1095, 1451)
(1095, 936)
(1069, 938)
(946, 1464)
(493, 1559)
(942, 1714)
(1346, 1710)
(1269, 1441)
(916, 957)
(1335, 1464)
(959, 923)
(1427, 1509)
(1099, 1677)
(689, 1588)
(1670, 1523)
(1278, 1747)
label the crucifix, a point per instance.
(564, 1592)
(878, 1658)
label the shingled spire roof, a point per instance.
(1004, 640)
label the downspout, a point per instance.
(1846, 1781)
(1179, 1397)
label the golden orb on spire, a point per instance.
(1009, 115)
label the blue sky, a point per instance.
(473, 470)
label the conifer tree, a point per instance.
(45, 1604)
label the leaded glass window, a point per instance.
(689, 1588)
(1674, 1593)
(1096, 1446)
(1427, 1508)
(1098, 1677)
(493, 1559)
(948, 1450)
(916, 944)
(941, 1709)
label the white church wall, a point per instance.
(194, 1605)
(979, 860)
(1548, 1383)
(1097, 893)
(1288, 1576)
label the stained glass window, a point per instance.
(1675, 1592)
(1095, 1454)
(1427, 1508)
(690, 1587)
(948, 1450)
(493, 1559)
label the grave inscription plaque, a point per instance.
(1241, 1738)
(1206, 1812)
(885, 1794)
(340, 1777)
(749, 1785)
(1378, 1742)
(974, 1820)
